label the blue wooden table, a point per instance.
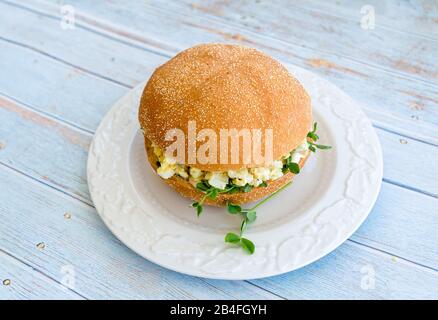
(64, 63)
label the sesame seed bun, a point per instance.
(187, 190)
(226, 87)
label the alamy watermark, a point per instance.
(368, 280)
(368, 20)
(68, 20)
(68, 279)
(206, 146)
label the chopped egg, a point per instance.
(195, 172)
(217, 179)
(253, 176)
(165, 172)
(276, 170)
(261, 173)
(180, 170)
(241, 177)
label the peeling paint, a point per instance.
(215, 8)
(419, 96)
(28, 115)
(417, 106)
(321, 63)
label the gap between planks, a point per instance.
(102, 28)
(105, 26)
(127, 86)
(90, 133)
(88, 203)
(385, 25)
(39, 272)
(99, 25)
(269, 38)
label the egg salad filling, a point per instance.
(238, 180)
(214, 183)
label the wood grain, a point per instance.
(342, 274)
(50, 161)
(20, 281)
(105, 269)
(58, 84)
(411, 104)
(75, 107)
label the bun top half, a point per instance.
(223, 86)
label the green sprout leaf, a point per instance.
(247, 245)
(247, 188)
(313, 136)
(199, 210)
(322, 147)
(243, 226)
(212, 193)
(232, 238)
(314, 146)
(233, 209)
(202, 186)
(251, 216)
(198, 207)
(294, 167)
(263, 184)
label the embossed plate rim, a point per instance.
(140, 227)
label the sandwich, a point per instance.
(226, 125)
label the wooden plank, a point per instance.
(394, 101)
(414, 17)
(48, 151)
(103, 267)
(403, 223)
(403, 158)
(86, 50)
(19, 281)
(304, 25)
(84, 99)
(58, 159)
(54, 88)
(394, 140)
(346, 274)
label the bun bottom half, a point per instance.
(187, 190)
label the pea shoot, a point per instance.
(249, 216)
(313, 136)
(211, 192)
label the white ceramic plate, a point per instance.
(326, 203)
